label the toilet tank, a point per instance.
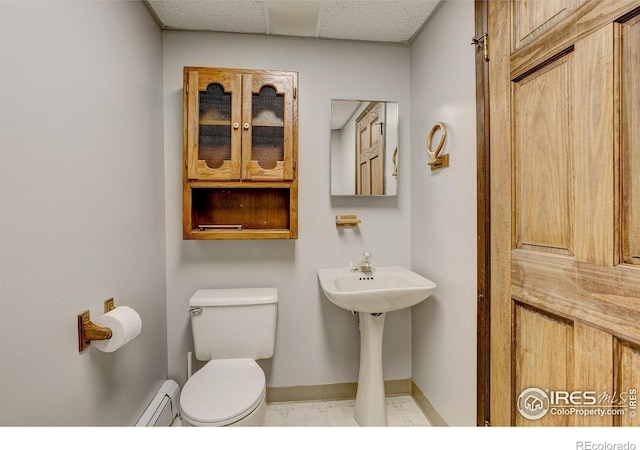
(234, 323)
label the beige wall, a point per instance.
(81, 195)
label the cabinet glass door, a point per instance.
(267, 141)
(214, 117)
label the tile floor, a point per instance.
(402, 411)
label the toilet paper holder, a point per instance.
(89, 331)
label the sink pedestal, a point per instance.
(370, 405)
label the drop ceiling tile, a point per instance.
(238, 16)
(382, 20)
(293, 18)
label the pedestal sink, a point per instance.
(372, 295)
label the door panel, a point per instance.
(596, 148)
(565, 308)
(532, 17)
(543, 156)
(593, 368)
(583, 362)
(535, 333)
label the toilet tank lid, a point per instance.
(227, 297)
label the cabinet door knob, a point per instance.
(246, 125)
(236, 125)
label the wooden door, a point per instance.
(212, 114)
(370, 150)
(565, 212)
(268, 125)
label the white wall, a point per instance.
(443, 214)
(343, 162)
(317, 343)
(82, 208)
(343, 156)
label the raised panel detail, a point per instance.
(543, 358)
(630, 129)
(533, 17)
(593, 369)
(595, 149)
(543, 156)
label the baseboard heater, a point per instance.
(164, 407)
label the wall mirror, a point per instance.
(364, 147)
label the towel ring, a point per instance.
(436, 161)
(443, 136)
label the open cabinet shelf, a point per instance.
(240, 211)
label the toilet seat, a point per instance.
(223, 392)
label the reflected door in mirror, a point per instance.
(370, 150)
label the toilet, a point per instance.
(232, 328)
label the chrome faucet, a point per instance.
(364, 266)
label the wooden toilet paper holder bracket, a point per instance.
(89, 331)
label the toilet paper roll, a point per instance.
(125, 325)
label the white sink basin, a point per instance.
(385, 289)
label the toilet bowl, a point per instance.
(232, 328)
(227, 392)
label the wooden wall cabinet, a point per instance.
(240, 153)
